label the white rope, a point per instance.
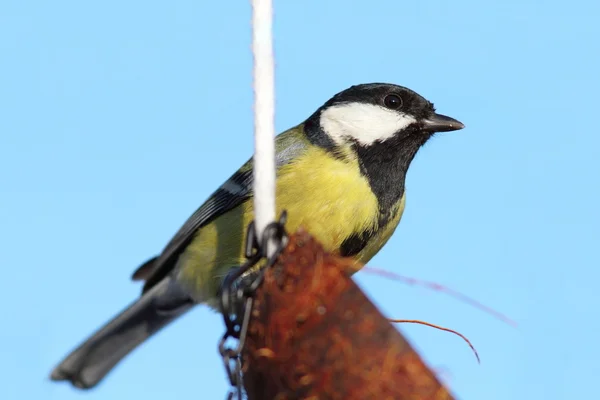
(264, 114)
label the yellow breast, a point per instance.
(322, 194)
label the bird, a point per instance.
(340, 175)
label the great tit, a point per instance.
(340, 175)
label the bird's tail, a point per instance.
(93, 359)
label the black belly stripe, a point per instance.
(355, 243)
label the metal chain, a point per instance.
(236, 297)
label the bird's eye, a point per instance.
(392, 101)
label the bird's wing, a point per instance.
(235, 191)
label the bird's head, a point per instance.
(382, 126)
(378, 113)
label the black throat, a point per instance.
(385, 165)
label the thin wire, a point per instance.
(444, 289)
(441, 328)
(264, 116)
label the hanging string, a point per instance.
(264, 115)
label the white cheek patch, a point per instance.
(366, 123)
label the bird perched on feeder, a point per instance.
(340, 175)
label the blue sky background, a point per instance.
(117, 119)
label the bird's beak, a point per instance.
(441, 123)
